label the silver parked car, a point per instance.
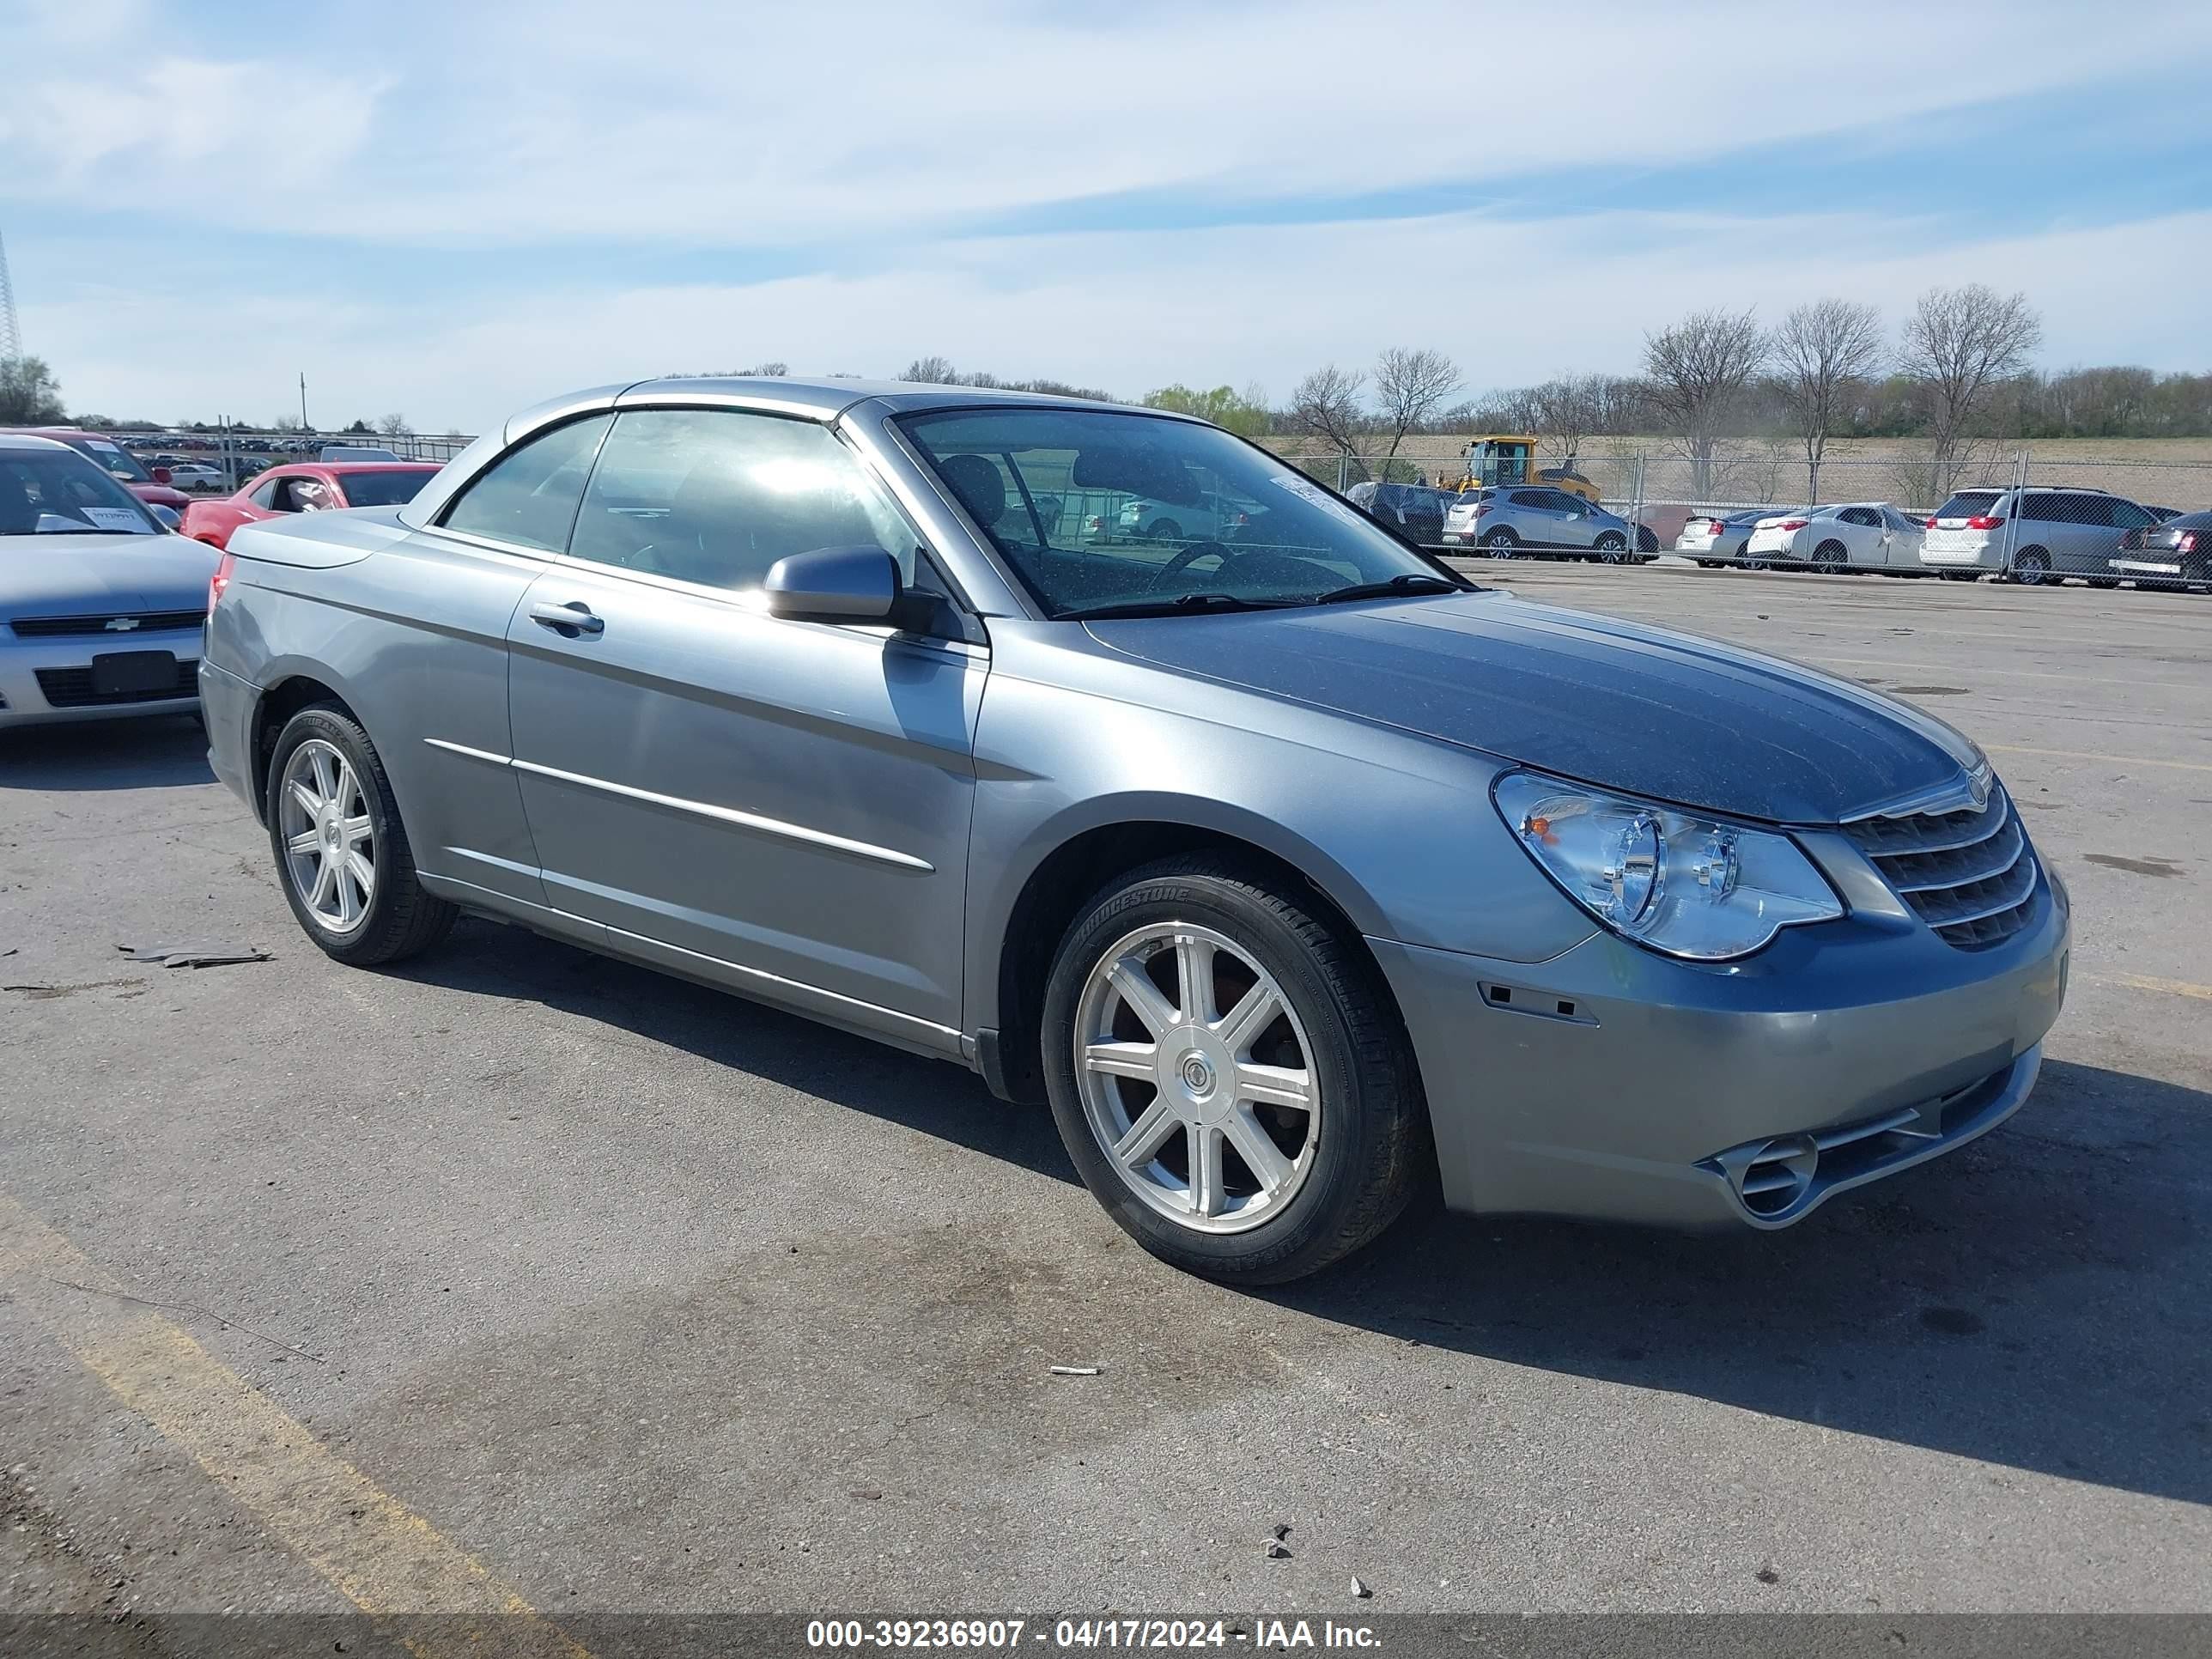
(1504, 522)
(2037, 536)
(101, 607)
(1293, 872)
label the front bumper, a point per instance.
(67, 660)
(1611, 1083)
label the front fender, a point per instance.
(1396, 829)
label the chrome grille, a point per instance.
(105, 622)
(1969, 874)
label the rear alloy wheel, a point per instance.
(1164, 530)
(1501, 544)
(1611, 547)
(1830, 558)
(2031, 566)
(348, 873)
(1229, 1075)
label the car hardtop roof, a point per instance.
(824, 399)
(32, 440)
(827, 397)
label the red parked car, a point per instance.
(119, 463)
(307, 489)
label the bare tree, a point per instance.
(1326, 405)
(1411, 386)
(1567, 410)
(393, 426)
(1697, 369)
(772, 369)
(1960, 345)
(1826, 350)
(931, 371)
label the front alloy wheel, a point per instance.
(1229, 1073)
(1195, 1079)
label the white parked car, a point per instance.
(195, 477)
(1714, 539)
(1841, 536)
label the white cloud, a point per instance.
(724, 125)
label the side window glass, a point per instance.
(529, 495)
(2126, 515)
(265, 497)
(2048, 509)
(716, 497)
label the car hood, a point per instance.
(1614, 703)
(78, 575)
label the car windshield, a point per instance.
(119, 462)
(1100, 510)
(57, 492)
(383, 489)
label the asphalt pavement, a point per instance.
(519, 1279)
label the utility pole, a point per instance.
(304, 427)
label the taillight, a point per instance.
(1931, 524)
(1792, 524)
(2185, 542)
(1481, 507)
(1241, 518)
(1983, 521)
(220, 580)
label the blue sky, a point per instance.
(453, 210)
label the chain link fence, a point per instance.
(234, 454)
(1991, 511)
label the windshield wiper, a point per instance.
(1181, 602)
(1414, 581)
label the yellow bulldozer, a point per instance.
(1510, 457)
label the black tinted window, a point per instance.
(529, 495)
(716, 497)
(382, 489)
(1967, 504)
(2126, 515)
(1531, 498)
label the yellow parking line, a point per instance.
(2078, 754)
(380, 1555)
(2178, 988)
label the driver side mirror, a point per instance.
(170, 518)
(161, 474)
(833, 584)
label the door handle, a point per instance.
(570, 620)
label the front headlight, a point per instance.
(1689, 886)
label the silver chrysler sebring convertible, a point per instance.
(1293, 869)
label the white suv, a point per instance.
(2038, 535)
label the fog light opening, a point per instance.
(1777, 1177)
